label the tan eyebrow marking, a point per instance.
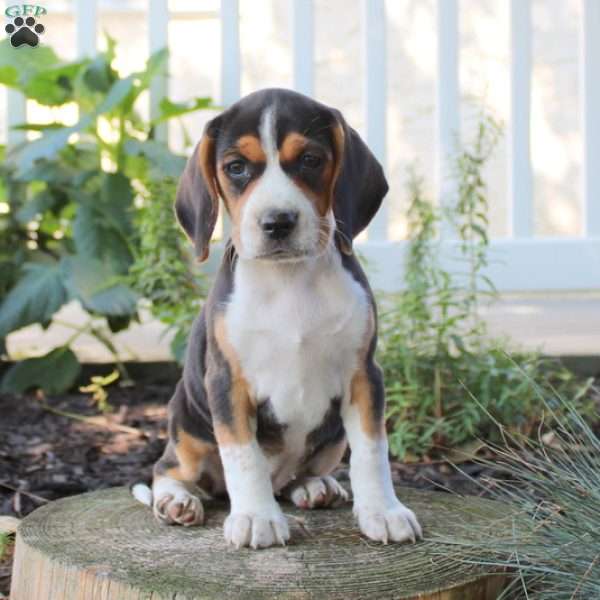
(249, 147)
(291, 146)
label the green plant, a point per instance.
(548, 536)
(71, 201)
(97, 388)
(163, 273)
(434, 343)
(5, 542)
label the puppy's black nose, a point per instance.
(278, 225)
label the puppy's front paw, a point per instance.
(318, 492)
(257, 530)
(179, 508)
(397, 524)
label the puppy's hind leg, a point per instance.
(315, 487)
(177, 499)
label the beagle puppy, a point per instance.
(280, 372)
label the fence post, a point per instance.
(447, 103)
(158, 38)
(16, 111)
(16, 114)
(590, 94)
(86, 26)
(374, 52)
(230, 52)
(520, 203)
(301, 14)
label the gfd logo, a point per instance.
(24, 28)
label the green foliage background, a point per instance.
(446, 378)
(77, 198)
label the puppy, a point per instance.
(280, 372)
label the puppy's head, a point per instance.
(291, 172)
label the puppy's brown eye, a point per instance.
(236, 168)
(310, 161)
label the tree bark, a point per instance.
(106, 546)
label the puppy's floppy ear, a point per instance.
(360, 185)
(197, 203)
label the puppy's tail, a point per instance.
(141, 492)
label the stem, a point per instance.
(120, 158)
(96, 421)
(99, 335)
(105, 341)
(439, 408)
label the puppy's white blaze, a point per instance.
(248, 479)
(274, 190)
(370, 472)
(267, 134)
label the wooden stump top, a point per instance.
(106, 546)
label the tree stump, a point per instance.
(106, 546)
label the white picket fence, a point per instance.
(521, 262)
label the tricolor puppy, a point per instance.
(280, 373)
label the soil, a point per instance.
(49, 448)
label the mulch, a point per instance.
(51, 447)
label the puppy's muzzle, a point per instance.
(278, 225)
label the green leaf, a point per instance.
(111, 48)
(155, 66)
(116, 199)
(38, 126)
(170, 110)
(53, 87)
(98, 76)
(119, 323)
(95, 238)
(115, 301)
(24, 156)
(39, 293)
(87, 229)
(103, 226)
(163, 163)
(17, 67)
(118, 92)
(39, 204)
(179, 345)
(458, 341)
(55, 172)
(9, 76)
(98, 288)
(55, 372)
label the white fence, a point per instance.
(521, 262)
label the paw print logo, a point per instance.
(24, 31)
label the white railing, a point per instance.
(522, 262)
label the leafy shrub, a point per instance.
(434, 344)
(73, 200)
(163, 273)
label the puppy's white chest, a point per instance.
(297, 331)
